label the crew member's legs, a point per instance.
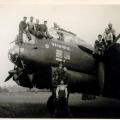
(28, 35)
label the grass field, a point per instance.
(33, 105)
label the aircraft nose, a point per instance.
(13, 54)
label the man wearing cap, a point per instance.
(44, 29)
(23, 29)
(23, 24)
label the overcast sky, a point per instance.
(87, 21)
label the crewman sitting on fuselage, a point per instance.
(23, 29)
(31, 25)
(44, 30)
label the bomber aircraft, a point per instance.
(36, 59)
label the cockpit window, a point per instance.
(62, 35)
(26, 40)
(68, 37)
(53, 32)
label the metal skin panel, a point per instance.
(50, 52)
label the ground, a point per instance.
(33, 105)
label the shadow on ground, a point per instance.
(33, 105)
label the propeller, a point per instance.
(8, 78)
(16, 71)
(11, 73)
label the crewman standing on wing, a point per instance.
(110, 28)
(108, 37)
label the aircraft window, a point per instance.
(69, 39)
(26, 40)
(66, 36)
(62, 35)
(53, 33)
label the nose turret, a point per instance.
(13, 54)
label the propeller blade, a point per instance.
(12, 71)
(18, 76)
(8, 78)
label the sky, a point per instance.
(85, 20)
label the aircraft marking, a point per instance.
(67, 55)
(60, 46)
(60, 55)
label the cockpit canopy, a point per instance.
(69, 38)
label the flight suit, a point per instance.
(22, 29)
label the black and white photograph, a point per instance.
(59, 59)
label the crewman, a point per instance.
(31, 24)
(108, 37)
(60, 74)
(38, 32)
(99, 46)
(62, 108)
(57, 75)
(37, 25)
(58, 29)
(110, 28)
(23, 29)
(61, 91)
(56, 26)
(44, 29)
